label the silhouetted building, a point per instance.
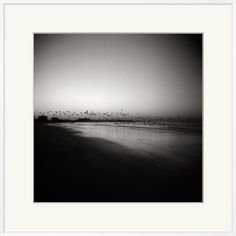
(42, 119)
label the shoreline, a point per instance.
(196, 131)
(73, 168)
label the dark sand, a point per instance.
(70, 168)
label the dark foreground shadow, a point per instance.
(69, 168)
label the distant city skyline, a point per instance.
(148, 74)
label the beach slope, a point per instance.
(73, 168)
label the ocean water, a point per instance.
(146, 141)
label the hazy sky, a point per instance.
(155, 74)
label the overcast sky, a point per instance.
(157, 74)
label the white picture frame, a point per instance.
(22, 226)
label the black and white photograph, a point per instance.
(118, 117)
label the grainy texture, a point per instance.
(72, 168)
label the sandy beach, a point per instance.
(72, 167)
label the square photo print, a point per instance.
(118, 118)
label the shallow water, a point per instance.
(142, 140)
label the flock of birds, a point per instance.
(120, 115)
(73, 115)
